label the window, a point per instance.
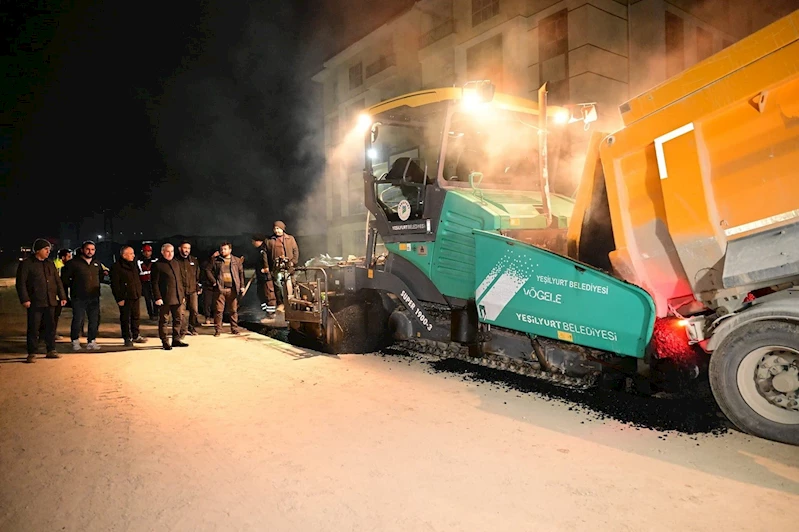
(704, 44)
(484, 61)
(553, 35)
(336, 211)
(675, 45)
(331, 93)
(483, 10)
(356, 76)
(553, 54)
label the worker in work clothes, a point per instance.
(145, 266)
(192, 287)
(225, 275)
(168, 292)
(40, 291)
(284, 254)
(126, 287)
(266, 287)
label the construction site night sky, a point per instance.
(192, 117)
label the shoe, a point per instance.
(166, 345)
(31, 359)
(76, 345)
(128, 343)
(53, 354)
(93, 346)
(217, 333)
(140, 340)
(235, 333)
(177, 342)
(192, 332)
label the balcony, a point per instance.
(437, 33)
(380, 65)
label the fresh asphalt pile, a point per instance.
(684, 415)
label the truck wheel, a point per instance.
(754, 375)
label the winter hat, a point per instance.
(40, 243)
(280, 225)
(147, 247)
(258, 237)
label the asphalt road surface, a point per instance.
(248, 433)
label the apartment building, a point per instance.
(602, 51)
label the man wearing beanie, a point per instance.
(40, 291)
(284, 254)
(266, 287)
(81, 277)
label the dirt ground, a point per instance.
(247, 433)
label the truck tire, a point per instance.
(744, 378)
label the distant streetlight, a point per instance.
(99, 237)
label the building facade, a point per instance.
(603, 51)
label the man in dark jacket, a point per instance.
(145, 265)
(169, 295)
(266, 286)
(81, 277)
(192, 288)
(40, 291)
(284, 255)
(126, 287)
(225, 276)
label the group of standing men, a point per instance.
(170, 285)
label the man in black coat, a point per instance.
(127, 290)
(169, 295)
(225, 274)
(81, 277)
(191, 286)
(40, 291)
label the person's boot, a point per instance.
(165, 344)
(140, 340)
(217, 333)
(177, 342)
(31, 359)
(52, 354)
(128, 342)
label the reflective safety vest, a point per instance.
(145, 267)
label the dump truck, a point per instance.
(679, 251)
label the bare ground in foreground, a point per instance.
(253, 434)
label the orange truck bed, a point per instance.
(702, 183)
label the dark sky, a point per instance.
(192, 117)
